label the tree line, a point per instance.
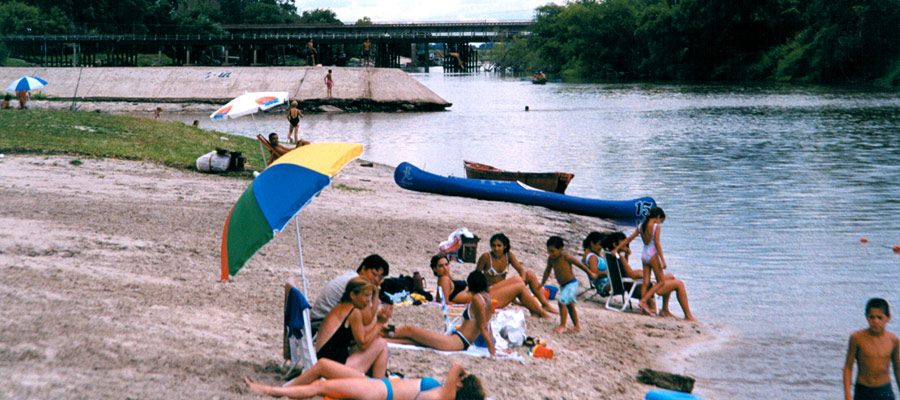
(142, 17)
(820, 41)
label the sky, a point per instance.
(349, 11)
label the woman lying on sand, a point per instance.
(343, 382)
(476, 322)
(495, 266)
(504, 292)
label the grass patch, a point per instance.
(117, 136)
(75, 162)
(341, 186)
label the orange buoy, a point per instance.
(864, 240)
(897, 248)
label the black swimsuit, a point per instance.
(337, 348)
(294, 120)
(458, 287)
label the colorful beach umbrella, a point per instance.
(276, 196)
(26, 83)
(249, 103)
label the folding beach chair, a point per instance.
(273, 154)
(452, 316)
(592, 287)
(620, 284)
(298, 343)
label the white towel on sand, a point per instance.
(473, 351)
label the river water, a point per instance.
(768, 190)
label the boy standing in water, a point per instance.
(561, 264)
(875, 349)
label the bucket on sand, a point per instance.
(550, 292)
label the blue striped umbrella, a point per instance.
(26, 83)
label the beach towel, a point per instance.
(473, 351)
(293, 312)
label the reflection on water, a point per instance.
(768, 190)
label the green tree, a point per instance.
(319, 16)
(364, 21)
(18, 18)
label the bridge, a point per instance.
(274, 45)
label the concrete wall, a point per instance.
(220, 84)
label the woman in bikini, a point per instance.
(503, 292)
(495, 265)
(342, 382)
(476, 322)
(343, 337)
(652, 259)
(293, 116)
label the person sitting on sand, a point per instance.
(344, 338)
(337, 381)
(876, 350)
(504, 292)
(476, 322)
(374, 269)
(4, 105)
(561, 264)
(495, 265)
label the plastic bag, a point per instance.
(509, 329)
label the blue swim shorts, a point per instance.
(567, 292)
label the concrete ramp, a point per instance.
(220, 84)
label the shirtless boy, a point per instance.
(875, 349)
(561, 264)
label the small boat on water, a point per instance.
(540, 81)
(632, 211)
(549, 181)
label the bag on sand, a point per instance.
(221, 160)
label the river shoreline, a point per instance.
(102, 246)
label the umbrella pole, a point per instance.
(300, 251)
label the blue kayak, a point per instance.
(410, 177)
(663, 394)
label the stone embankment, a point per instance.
(355, 89)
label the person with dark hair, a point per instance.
(345, 339)
(495, 266)
(476, 322)
(503, 292)
(593, 258)
(653, 260)
(652, 255)
(876, 350)
(374, 269)
(276, 144)
(560, 263)
(337, 381)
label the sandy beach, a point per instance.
(109, 280)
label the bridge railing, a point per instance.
(435, 36)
